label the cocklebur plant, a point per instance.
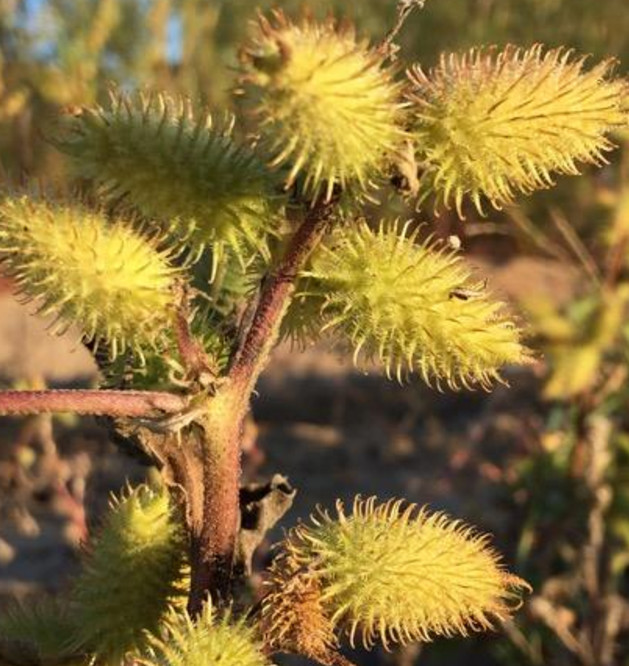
(388, 573)
(208, 248)
(134, 572)
(429, 327)
(478, 111)
(328, 108)
(137, 147)
(118, 294)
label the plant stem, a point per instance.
(252, 355)
(193, 356)
(96, 402)
(214, 538)
(404, 10)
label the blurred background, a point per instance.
(543, 465)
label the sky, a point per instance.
(174, 39)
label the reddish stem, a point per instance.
(213, 545)
(252, 355)
(96, 402)
(193, 356)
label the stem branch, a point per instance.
(195, 360)
(404, 9)
(252, 355)
(96, 402)
(213, 542)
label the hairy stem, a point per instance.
(96, 402)
(191, 352)
(214, 540)
(213, 544)
(252, 355)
